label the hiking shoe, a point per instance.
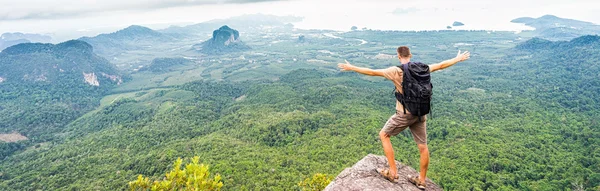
(387, 174)
(415, 180)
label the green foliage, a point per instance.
(6, 149)
(317, 182)
(284, 131)
(194, 176)
(508, 119)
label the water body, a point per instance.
(338, 15)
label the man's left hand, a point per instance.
(345, 66)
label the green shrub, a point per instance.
(194, 176)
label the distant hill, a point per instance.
(28, 36)
(591, 42)
(456, 24)
(555, 28)
(10, 39)
(245, 22)
(224, 40)
(161, 65)
(131, 38)
(9, 43)
(38, 62)
(45, 86)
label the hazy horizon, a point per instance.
(87, 18)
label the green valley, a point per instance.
(522, 114)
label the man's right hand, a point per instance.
(366, 71)
(464, 56)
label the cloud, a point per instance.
(58, 9)
(403, 11)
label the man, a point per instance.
(400, 121)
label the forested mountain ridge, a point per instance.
(45, 86)
(590, 42)
(37, 62)
(134, 37)
(133, 32)
(245, 22)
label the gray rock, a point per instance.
(363, 176)
(224, 40)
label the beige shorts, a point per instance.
(400, 121)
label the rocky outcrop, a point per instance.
(224, 40)
(363, 176)
(12, 137)
(91, 79)
(114, 78)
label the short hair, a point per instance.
(404, 51)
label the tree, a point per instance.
(354, 28)
(195, 176)
(317, 182)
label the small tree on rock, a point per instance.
(194, 176)
(317, 182)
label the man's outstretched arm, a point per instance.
(447, 63)
(366, 71)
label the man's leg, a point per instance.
(395, 124)
(419, 132)
(424, 161)
(389, 151)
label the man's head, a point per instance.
(404, 54)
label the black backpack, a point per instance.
(416, 86)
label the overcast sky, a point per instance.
(73, 18)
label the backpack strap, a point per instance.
(405, 72)
(430, 111)
(405, 69)
(399, 98)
